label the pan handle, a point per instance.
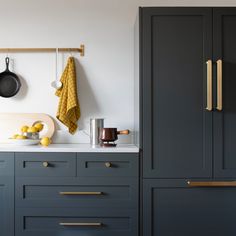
(7, 60)
(123, 132)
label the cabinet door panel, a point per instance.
(6, 206)
(225, 120)
(6, 194)
(177, 129)
(171, 208)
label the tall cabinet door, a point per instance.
(6, 194)
(177, 128)
(224, 41)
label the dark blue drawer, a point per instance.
(52, 222)
(77, 192)
(45, 164)
(6, 164)
(107, 164)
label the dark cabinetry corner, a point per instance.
(187, 80)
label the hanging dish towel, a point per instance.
(68, 110)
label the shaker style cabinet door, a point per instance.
(172, 208)
(224, 50)
(177, 128)
(6, 194)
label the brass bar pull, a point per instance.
(219, 85)
(81, 224)
(80, 193)
(212, 184)
(209, 85)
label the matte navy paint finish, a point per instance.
(45, 221)
(40, 207)
(180, 210)
(177, 130)
(181, 140)
(59, 164)
(38, 192)
(93, 164)
(224, 25)
(6, 194)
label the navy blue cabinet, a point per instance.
(187, 71)
(177, 129)
(172, 208)
(224, 25)
(7, 194)
(77, 194)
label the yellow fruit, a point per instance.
(24, 128)
(21, 137)
(32, 129)
(39, 126)
(15, 136)
(45, 141)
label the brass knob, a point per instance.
(108, 164)
(45, 164)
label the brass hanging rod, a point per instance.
(30, 50)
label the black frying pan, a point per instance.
(9, 82)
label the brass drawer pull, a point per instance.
(108, 164)
(45, 164)
(80, 193)
(212, 184)
(81, 224)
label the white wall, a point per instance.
(105, 74)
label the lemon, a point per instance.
(15, 136)
(21, 137)
(45, 141)
(32, 129)
(39, 126)
(24, 128)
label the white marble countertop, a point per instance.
(130, 148)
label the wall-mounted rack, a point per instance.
(12, 50)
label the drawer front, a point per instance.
(77, 192)
(6, 164)
(45, 164)
(74, 222)
(107, 164)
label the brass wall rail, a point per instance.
(31, 50)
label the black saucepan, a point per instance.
(9, 82)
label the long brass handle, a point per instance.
(209, 85)
(212, 184)
(81, 224)
(80, 193)
(219, 85)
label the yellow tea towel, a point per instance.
(68, 110)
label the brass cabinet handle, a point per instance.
(209, 85)
(219, 85)
(108, 164)
(81, 224)
(45, 164)
(80, 193)
(212, 184)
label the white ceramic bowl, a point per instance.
(23, 142)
